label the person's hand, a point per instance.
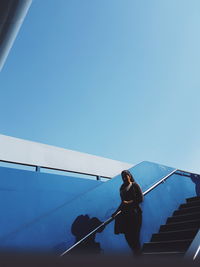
(127, 202)
(113, 215)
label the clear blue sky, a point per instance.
(114, 78)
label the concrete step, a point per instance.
(174, 235)
(167, 246)
(197, 198)
(186, 210)
(184, 217)
(190, 204)
(180, 226)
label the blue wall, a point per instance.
(27, 196)
(53, 231)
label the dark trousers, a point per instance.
(132, 234)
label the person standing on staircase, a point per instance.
(129, 221)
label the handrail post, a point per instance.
(37, 168)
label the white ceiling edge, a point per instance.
(26, 152)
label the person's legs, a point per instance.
(132, 234)
(134, 243)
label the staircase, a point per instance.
(175, 237)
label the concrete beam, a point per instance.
(30, 153)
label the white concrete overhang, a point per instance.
(20, 151)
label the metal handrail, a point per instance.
(38, 168)
(187, 172)
(112, 218)
(159, 182)
(91, 233)
(196, 253)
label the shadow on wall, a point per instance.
(82, 226)
(196, 179)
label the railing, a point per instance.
(187, 174)
(91, 233)
(112, 218)
(39, 168)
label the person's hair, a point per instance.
(125, 173)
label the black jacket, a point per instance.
(129, 212)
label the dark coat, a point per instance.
(129, 220)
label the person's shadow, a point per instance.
(82, 226)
